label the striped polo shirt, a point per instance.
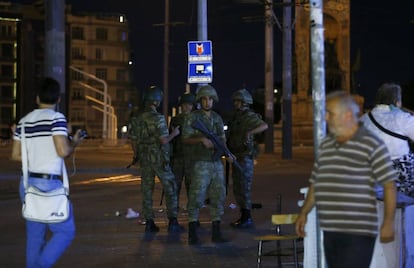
(344, 178)
(40, 127)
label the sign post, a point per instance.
(200, 66)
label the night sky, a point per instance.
(382, 30)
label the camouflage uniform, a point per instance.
(245, 149)
(181, 158)
(243, 121)
(145, 132)
(208, 174)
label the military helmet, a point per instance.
(243, 95)
(153, 93)
(207, 91)
(187, 98)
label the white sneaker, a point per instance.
(131, 214)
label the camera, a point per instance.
(83, 134)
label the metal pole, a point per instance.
(202, 20)
(166, 56)
(202, 24)
(287, 81)
(269, 75)
(318, 90)
(105, 95)
(318, 69)
(55, 46)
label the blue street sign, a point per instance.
(199, 51)
(201, 72)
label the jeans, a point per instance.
(344, 250)
(42, 253)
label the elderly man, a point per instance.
(350, 161)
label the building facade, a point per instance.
(336, 19)
(100, 84)
(98, 69)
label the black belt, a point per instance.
(45, 176)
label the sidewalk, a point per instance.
(106, 240)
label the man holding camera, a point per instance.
(47, 143)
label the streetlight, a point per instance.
(105, 102)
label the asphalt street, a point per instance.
(102, 190)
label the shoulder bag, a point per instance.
(404, 165)
(389, 132)
(47, 207)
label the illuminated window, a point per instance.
(124, 36)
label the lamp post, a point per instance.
(269, 117)
(166, 55)
(105, 97)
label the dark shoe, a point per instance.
(174, 227)
(216, 236)
(192, 233)
(245, 220)
(150, 226)
(242, 223)
(236, 222)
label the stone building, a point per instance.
(96, 44)
(336, 21)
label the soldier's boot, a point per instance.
(150, 226)
(192, 233)
(237, 222)
(216, 236)
(245, 220)
(173, 226)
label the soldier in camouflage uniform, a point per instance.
(150, 139)
(242, 128)
(181, 162)
(208, 173)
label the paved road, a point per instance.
(101, 186)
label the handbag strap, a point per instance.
(25, 163)
(65, 177)
(389, 132)
(24, 157)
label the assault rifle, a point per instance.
(133, 162)
(220, 148)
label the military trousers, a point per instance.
(182, 169)
(164, 173)
(242, 183)
(207, 179)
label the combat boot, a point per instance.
(192, 233)
(245, 220)
(173, 226)
(150, 226)
(216, 236)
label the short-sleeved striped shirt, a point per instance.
(344, 178)
(40, 127)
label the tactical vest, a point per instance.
(241, 123)
(215, 125)
(146, 133)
